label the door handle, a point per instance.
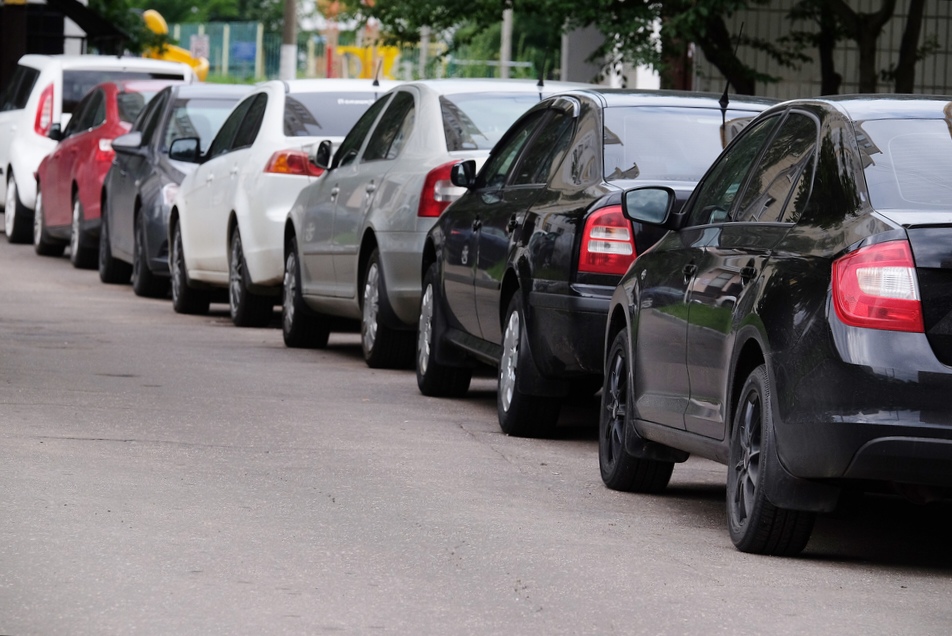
(370, 188)
(234, 170)
(513, 223)
(689, 270)
(209, 178)
(748, 273)
(334, 192)
(477, 224)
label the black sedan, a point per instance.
(519, 271)
(141, 184)
(795, 323)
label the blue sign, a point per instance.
(243, 51)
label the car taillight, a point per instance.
(44, 112)
(876, 287)
(105, 152)
(292, 162)
(438, 191)
(608, 246)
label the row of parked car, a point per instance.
(768, 285)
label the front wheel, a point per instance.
(755, 524)
(383, 346)
(521, 414)
(247, 309)
(80, 256)
(435, 379)
(144, 282)
(185, 300)
(620, 470)
(111, 270)
(299, 327)
(16, 217)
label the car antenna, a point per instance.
(725, 100)
(541, 83)
(377, 75)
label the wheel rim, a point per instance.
(11, 207)
(178, 266)
(616, 408)
(74, 234)
(136, 253)
(104, 251)
(370, 309)
(37, 219)
(509, 361)
(290, 290)
(235, 276)
(746, 466)
(425, 330)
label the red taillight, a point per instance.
(876, 287)
(104, 151)
(44, 112)
(292, 162)
(608, 245)
(438, 191)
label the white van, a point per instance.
(40, 98)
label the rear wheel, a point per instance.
(111, 270)
(298, 325)
(80, 256)
(247, 309)
(43, 244)
(620, 470)
(519, 413)
(185, 300)
(144, 282)
(16, 217)
(755, 524)
(435, 379)
(383, 346)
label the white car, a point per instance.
(226, 228)
(38, 100)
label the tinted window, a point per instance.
(330, 114)
(907, 163)
(222, 142)
(200, 118)
(715, 195)
(393, 129)
(551, 141)
(97, 110)
(131, 104)
(773, 179)
(251, 124)
(665, 143)
(83, 118)
(349, 148)
(17, 92)
(77, 83)
(493, 174)
(476, 121)
(149, 119)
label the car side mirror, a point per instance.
(130, 143)
(323, 155)
(463, 174)
(650, 205)
(186, 149)
(56, 132)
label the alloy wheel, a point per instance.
(616, 407)
(289, 292)
(425, 330)
(509, 361)
(748, 464)
(371, 306)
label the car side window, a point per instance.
(97, 110)
(504, 155)
(223, 140)
(773, 179)
(81, 116)
(347, 152)
(148, 121)
(17, 92)
(717, 193)
(394, 128)
(551, 141)
(251, 124)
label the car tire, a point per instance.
(80, 256)
(247, 308)
(620, 470)
(435, 379)
(755, 524)
(43, 244)
(144, 282)
(521, 414)
(185, 300)
(111, 270)
(16, 216)
(383, 346)
(299, 326)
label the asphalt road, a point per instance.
(167, 474)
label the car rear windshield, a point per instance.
(907, 163)
(17, 92)
(666, 143)
(77, 83)
(476, 121)
(197, 118)
(324, 114)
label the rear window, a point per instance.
(476, 121)
(77, 83)
(197, 118)
(666, 143)
(907, 163)
(324, 114)
(16, 94)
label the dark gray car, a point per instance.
(141, 184)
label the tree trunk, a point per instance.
(865, 28)
(830, 80)
(909, 49)
(718, 49)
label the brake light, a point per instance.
(44, 112)
(438, 191)
(104, 152)
(608, 245)
(876, 287)
(292, 162)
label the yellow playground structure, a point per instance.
(156, 23)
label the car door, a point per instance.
(316, 235)
(662, 382)
(730, 262)
(358, 183)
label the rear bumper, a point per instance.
(567, 331)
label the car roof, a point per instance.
(865, 107)
(100, 61)
(332, 84)
(449, 86)
(200, 90)
(646, 96)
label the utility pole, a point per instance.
(288, 68)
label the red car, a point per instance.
(70, 179)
